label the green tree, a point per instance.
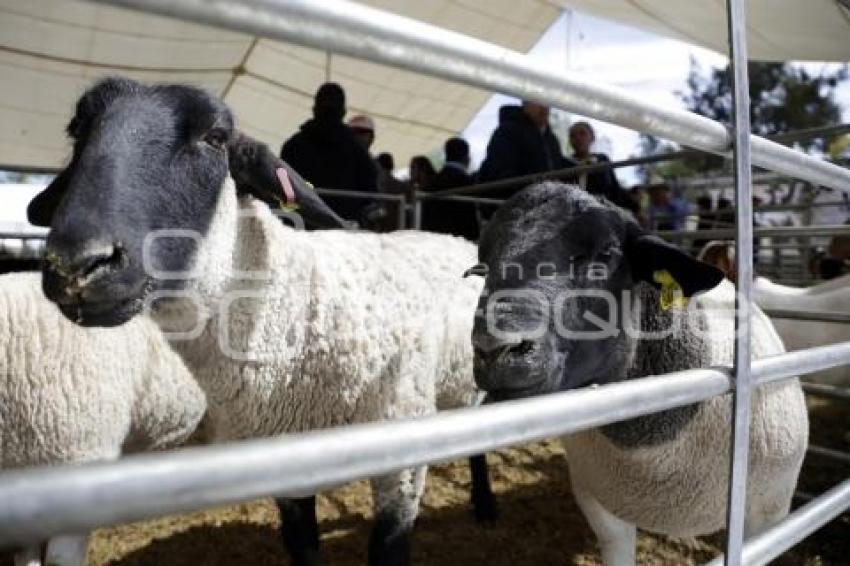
(783, 98)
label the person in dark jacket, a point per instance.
(447, 217)
(602, 183)
(326, 153)
(455, 167)
(522, 144)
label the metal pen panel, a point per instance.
(40, 503)
(830, 317)
(376, 35)
(829, 453)
(766, 546)
(800, 362)
(767, 232)
(742, 391)
(827, 391)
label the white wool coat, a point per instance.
(679, 487)
(73, 394)
(293, 330)
(828, 297)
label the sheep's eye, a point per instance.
(609, 252)
(479, 269)
(216, 138)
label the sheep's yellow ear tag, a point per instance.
(289, 207)
(293, 206)
(672, 296)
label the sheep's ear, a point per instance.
(41, 208)
(259, 172)
(650, 256)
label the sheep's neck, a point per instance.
(244, 275)
(685, 348)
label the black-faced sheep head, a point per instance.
(145, 159)
(557, 262)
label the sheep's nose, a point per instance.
(74, 267)
(491, 349)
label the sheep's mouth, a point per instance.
(511, 393)
(107, 313)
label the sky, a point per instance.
(13, 213)
(601, 51)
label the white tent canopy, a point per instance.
(51, 50)
(778, 30)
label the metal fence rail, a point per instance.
(829, 453)
(49, 501)
(827, 391)
(766, 546)
(376, 35)
(736, 511)
(400, 201)
(832, 317)
(773, 232)
(41, 503)
(23, 236)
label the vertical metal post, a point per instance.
(807, 199)
(737, 501)
(401, 211)
(417, 212)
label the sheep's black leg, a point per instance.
(396, 501)
(300, 530)
(389, 543)
(483, 501)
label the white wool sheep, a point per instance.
(342, 328)
(618, 488)
(832, 297)
(666, 472)
(71, 394)
(289, 330)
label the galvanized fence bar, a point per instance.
(827, 391)
(829, 453)
(41, 503)
(460, 198)
(771, 232)
(364, 195)
(742, 391)
(799, 362)
(46, 502)
(766, 546)
(372, 196)
(23, 235)
(557, 174)
(832, 317)
(376, 35)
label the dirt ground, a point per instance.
(539, 523)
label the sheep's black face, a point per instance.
(560, 265)
(542, 249)
(145, 159)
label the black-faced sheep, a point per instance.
(291, 330)
(577, 294)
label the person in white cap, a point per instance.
(363, 128)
